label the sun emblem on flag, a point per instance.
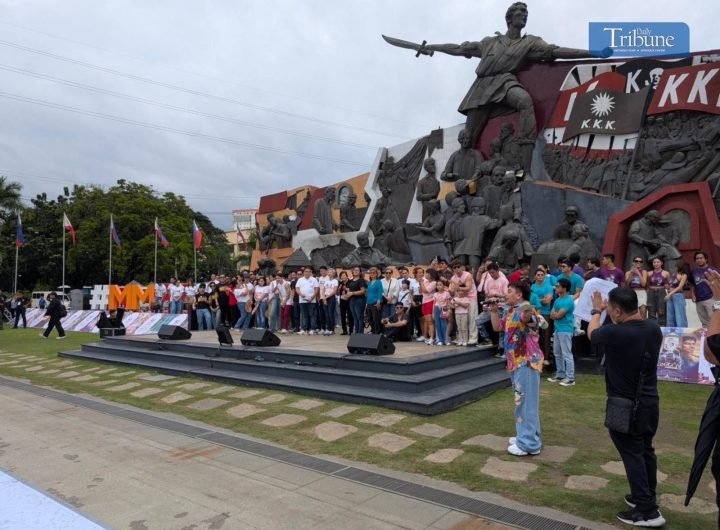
(602, 105)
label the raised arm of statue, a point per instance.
(467, 49)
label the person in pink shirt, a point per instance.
(427, 288)
(441, 312)
(461, 304)
(492, 285)
(462, 284)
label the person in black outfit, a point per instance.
(2, 309)
(346, 318)
(397, 326)
(21, 303)
(632, 347)
(55, 311)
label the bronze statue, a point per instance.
(428, 187)
(323, 220)
(646, 239)
(497, 90)
(365, 256)
(433, 225)
(274, 232)
(564, 230)
(523, 247)
(505, 253)
(582, 244)
(474, 227)
(463, 163)
(345, 211)
(493, 191)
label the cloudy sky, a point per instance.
(224, 101)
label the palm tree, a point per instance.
(10, 200)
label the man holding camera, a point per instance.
(397, 326)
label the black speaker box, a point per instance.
(111, 332)
(169, 332)
(224, 337)
(259, 337)
(361, 343)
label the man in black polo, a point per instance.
(632, 347)
(397, 326)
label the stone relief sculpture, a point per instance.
(647, 240)
(322, 218)
(275, 232)
(428, 187)
(474, 228)
(364, 255)
(523, 247)
(463, 163)
(346, 214)
(564, 229)
(582, 244)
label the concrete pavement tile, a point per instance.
(244, 410)
(121, 388)
(106, 371)
(676, 503)
(556, 453)
(243, 463)
(61, 364)
(616, 467)
(194, 386)
(306, 404)
(396, 509)
(244, 394)
(462, 521)
(273, 398)
(505, 470)
(67, 375)
(444, 456)
(36, 368)
(50, 371)
(392, 443)
(284, 420)
(146, 392)
(207, 404)
(338, 412)
(383, 420)
(176, 397)
(332, 430)
(103, 382)
(340, 492)
(295, 475)
(125, 374)
(83, 378)
(585, 483)
(90, 370)
(432, 430)
(219, 390)
(489, 441)
(156, 378)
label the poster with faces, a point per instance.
(681, 356)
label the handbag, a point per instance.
(620, 411)
(444, 313)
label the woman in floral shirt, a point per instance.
(525, 364)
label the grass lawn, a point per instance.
(571, 417)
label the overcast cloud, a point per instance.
(314, 68)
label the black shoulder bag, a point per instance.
(620, 411)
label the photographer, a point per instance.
(632, 347)
(397, 327)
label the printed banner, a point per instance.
(135, 323)
(688, 88)
(681, 357)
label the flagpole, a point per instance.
(17, 248)
(63, 265)
(156, 238)
(195, 259)
(111, 244)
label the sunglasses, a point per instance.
(638, 261)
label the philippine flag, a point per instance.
(19, 236)
(113, 232)
(69, 227)
(159, 234)
(197, 236)
(241, 237)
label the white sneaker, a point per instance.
(554, 379)
(567, 382)
(60, 338)
(302, 332)
(516, 451)
(421, 339)
(311, 332)
(41, 335)
(512, 440)
(283, 331)
(429, 342)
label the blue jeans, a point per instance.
(260, 314)
(244, 321)
(564, 361)
(440, 325)
(307, 316)
(676, 315)
(357, 308)
(203, 319)
(388, 310)
(329, 310)
(526, 386)
(274, 312)
(176, 306)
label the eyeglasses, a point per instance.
(638, 261)
(388, 272)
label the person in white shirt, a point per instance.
(243, 295)
(276, 286)
(308, 290)
(322, 280)
(286, 304)
(328, 300)
(391, 289)
(262, 295)
(176, 298)
(158, 297)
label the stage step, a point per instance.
(433, 401)
(424, 384)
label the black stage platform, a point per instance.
(417, 378)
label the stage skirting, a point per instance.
(135, 323)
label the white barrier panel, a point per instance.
(135, 323)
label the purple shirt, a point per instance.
(616, 275)
(702, 287)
